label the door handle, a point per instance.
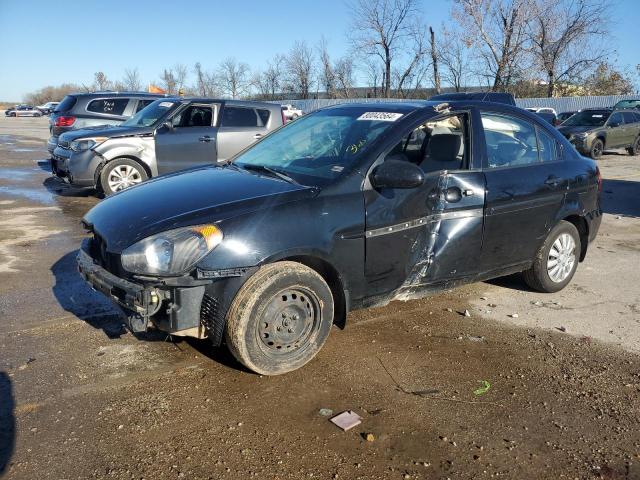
(206, 138)
(257, 135)
(452, 195)
(552, 181)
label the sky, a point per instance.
(45, 42)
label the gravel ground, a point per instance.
(82, 398)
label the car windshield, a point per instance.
(150, 114)
(320, 147)
(588, 118)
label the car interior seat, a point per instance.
(442, 152)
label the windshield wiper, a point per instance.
(276, 173)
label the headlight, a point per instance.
(173, 252)
(83, 144)
(581, 136)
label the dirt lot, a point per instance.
(81, 398)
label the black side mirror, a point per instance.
(397, 174)
(168, 125)
(614, 124)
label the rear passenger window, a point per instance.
(108, 106)
(629, 117)
(239, 117)
(435, 145)
(510, 141)
(264, 116)
(547, 147)
(142, 104)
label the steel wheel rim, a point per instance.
(123, 176)
(290, 321)
(561, 258)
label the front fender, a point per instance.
(140, 148)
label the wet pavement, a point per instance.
(82, 398)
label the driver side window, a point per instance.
(510, 141)
(436, 145)
(194, 116)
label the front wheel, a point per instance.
(121, 173)
(596, 149)
(280, 318)
(556, 261)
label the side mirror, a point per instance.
(614, 124)
(397, 174)
(168, 125)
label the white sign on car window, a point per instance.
(380, 116)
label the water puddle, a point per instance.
(42, 196)
(17, 174)
(27, 150)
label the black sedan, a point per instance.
(348, 207)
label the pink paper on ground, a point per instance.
(347, 420)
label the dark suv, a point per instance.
(81, 110)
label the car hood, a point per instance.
(103, 131)
(572, 130)
(203, 195)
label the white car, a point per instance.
(48, 107)
(542, 110)
(23, 111)
(290, 112)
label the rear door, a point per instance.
(240, 126)
(433, 233)
(526, 185)
(630, 127)
(192, 140)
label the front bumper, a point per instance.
(175, 310)
(77, 167)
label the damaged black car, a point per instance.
(348, 207)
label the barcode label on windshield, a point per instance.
(380, 116)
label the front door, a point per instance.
(191, 142)
(615, 131)
(240, 126)
(431, 234)
(526, 184)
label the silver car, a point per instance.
(169, 135)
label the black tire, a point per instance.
(279, 296)
(634, 149)
(106, 185)
(538, 276)
(13, 114)
(597, 147)
(37, 114)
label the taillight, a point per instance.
(63, 121)
(599, 178)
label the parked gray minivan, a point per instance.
(82, 110)
(169, 135)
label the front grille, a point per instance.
(104, 258)
(209, 313)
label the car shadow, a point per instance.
(220, 354)
(7, 422)
(57, 187)
(513, 282)
(621, 197)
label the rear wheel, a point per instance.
(597, 148)
(556, 261)
(121, 173)
(280, 318)
(634, 149)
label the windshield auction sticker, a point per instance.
(166, 104)
(380, 116)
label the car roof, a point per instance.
(108, 93)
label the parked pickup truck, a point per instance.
(290, 112)
(170, 134)
(348, 207)
(590, 131)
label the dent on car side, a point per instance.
(369, 243)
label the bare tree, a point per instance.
(180, 73)
(453, 55)
(131, 80)
(379, 28)
(413, 72)
(327, 78)
(201, 83)
(168, 81)
(606, 80)
(269, 82)
(564, 37)
(300, 68)
(101, 81)
(344, 71)
(233, 78)
(498, 28)
(434, 60)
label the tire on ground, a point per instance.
(537, 277)
(264, 303)
(634, 149)
(597, 147)
(112, 165)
